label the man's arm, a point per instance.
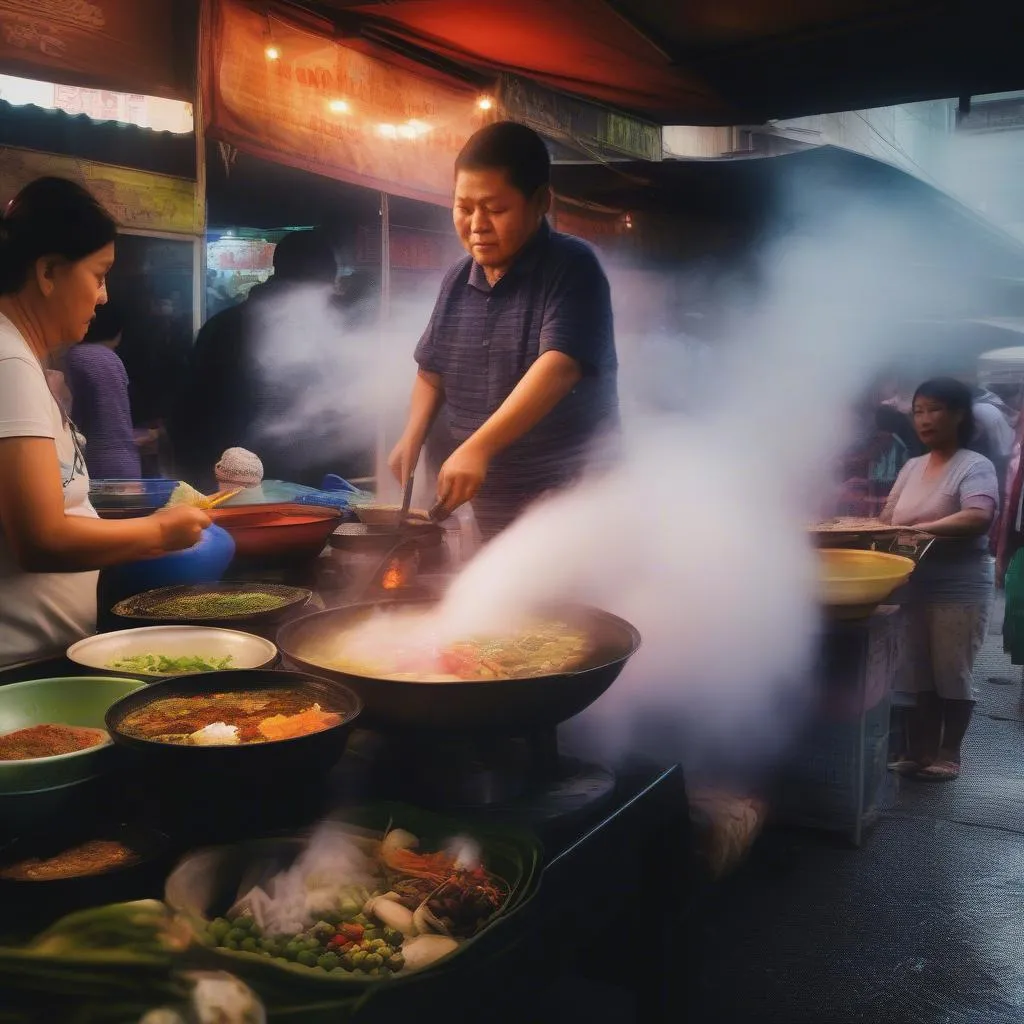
(543, 386)
(426, 401)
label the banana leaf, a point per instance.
(99, 966)
(290, 990)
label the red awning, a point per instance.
(714, 61)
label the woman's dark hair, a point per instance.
(50, 217)
(957, 398)
(513, 148)
(107, 324)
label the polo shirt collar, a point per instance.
(526, 260)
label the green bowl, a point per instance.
(75, 700)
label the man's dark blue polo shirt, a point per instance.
(482, 340)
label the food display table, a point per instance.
(616, 875)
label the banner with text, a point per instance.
(284, 93)
(106, 44)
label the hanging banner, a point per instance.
(577, 123)
(124, 45)
(135, 199)
(289, 95)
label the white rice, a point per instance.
(216, 734)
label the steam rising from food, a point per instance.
(698, 535)
(405, 645)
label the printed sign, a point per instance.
(284, 93)
(135, 199)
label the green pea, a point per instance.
(230, 944)
(292, 950)
(373, 960)
(237, 934)
(307, 958)
(250, 945)
(358, 957)
(396, 962)
(329, 961)
(218, 929)
(246, 921)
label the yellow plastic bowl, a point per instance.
(860, 579)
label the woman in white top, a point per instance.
(951, 493)
(56, 248)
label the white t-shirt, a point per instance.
(40, 613)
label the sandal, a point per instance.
(905, 766)
(941, 771)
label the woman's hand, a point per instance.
(462, 475)
(180, 527)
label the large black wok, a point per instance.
(511, 707)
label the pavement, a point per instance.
(923, 924)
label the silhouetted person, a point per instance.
(226, 397)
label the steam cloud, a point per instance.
(698, 535)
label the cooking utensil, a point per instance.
(853, 583)
(208, 642)
(279, 533)
(314, 753)
(219, 499)
(384, 515)
(192, 604)
(363, 538)
(507, 706)
(406, 502)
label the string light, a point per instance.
(388, 131)
(272, 52)
(339, 106)
(485, 103)
(627, 221)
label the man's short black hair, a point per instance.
(513, 148)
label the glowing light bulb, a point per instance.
(339, 106)
(485, 103)
(388, 131)
(272, 52)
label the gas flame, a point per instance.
(393, 577)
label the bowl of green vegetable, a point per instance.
(159, 652)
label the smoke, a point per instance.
(698, 534)
(331, 390)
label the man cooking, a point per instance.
(520, 346)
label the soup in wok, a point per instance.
(405, 646)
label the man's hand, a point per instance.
(462, 475)
(403, 457)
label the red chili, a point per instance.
(352, 931)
